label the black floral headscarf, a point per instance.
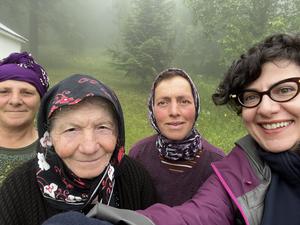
(60, 186)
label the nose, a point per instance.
(89, 143)
(173, 109)
(15, 99)
(267, 106)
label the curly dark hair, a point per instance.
(247, 68)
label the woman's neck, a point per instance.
(17, 137)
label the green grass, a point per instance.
(217, 124)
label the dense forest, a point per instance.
(144, 36)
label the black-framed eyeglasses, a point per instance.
(282, 91)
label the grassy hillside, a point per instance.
(217, 124)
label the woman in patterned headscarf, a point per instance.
(177, 157)
(22, 84)
(80, 160)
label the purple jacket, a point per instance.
(234, 194)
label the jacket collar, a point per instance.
(251, 148)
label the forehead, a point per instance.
(173, 86)
(273, 72)
(93, 105)
(15, 84)
(82, 114)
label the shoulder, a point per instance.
(235, 158)
(130, 165)
(244, 160)
(132, 170)
(20, 198)
(212, 149)
(236, 165)
(237, 173)
(19, 186)
(142, 146)
(132, 173)
(21, 177)
(243, 153)
(136, 190)
(25, 169)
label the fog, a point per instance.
(145, 36)
(72, 25)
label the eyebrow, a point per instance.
(180, 96)
(185, 96)
(28, 89)
(76, 124)
(22, 89)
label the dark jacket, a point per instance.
(21, 201)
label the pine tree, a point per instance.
(147, 39)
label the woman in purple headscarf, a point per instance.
(22, 84)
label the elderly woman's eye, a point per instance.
(72, 129)
(105, 129)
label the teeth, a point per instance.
(271, 126)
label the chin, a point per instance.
(89, 175)
(277, 148)
(175, 136)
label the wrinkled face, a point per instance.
(19, 102)
(174, 108)
(274, 125)
(84, 138)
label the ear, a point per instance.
(46, 140)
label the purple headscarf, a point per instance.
(22, 67)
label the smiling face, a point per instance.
(19, 102)
(274, 125)
(174, 108)
(84, 137)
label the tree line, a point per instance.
(147, 36)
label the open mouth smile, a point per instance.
(272, 126)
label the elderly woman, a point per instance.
(22, 84)
(258, 183)
(80, 160)
(177, 157)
